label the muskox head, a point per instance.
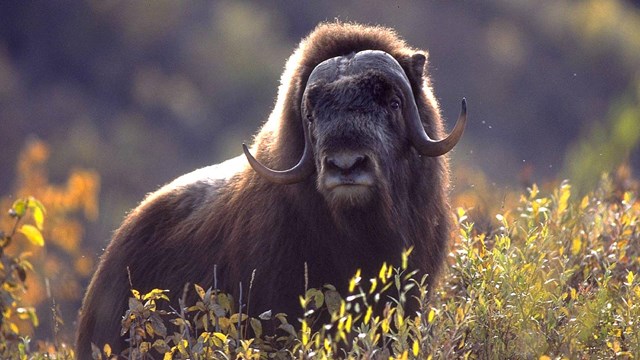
(360, 122)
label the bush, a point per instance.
(557, 277)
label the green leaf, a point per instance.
(256, 325)
(333, 301)
(289, 329)
(238, 317)
(135, 305)
(316, 296)
(19, 207)
(33, 234)
(161, 346)
(225, 302)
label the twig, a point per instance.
(253, 277)
(240, 313)
(215, 291)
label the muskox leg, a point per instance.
(101, 314)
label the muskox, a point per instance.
(346, 175)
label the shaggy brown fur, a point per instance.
(227, 215)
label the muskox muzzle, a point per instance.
(330, 70)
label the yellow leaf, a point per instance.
(149, 329)
(38, 217)
(14, 328)
(305, 338)
(352, 284)
(416, 348)
(576, 245)
(405, 257)
(459, 315)
(385, 326)
(383, 271)
(431, 316)
(327, 344)
(200, 291)
(220, 336)
(399, 319)
(107, 350)
(33, 234)
(630, 277)
(584, 203)
(349, 323)
(616, 346)
(565, 193)
(355, 280)
(405, 355)
(367, 316)
(374, 285)
(156, 294)
(533, 192)
(544, 357)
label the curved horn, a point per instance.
(305, 167)
(417, 135)
(302, 170)
(423, 143)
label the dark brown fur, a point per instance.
(242, 222)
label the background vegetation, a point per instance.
(93, 93)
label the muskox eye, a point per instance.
(395, 104)
(309, 118)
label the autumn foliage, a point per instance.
(65, 262)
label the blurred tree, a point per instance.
(63, 265)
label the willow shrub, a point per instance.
(557, 278)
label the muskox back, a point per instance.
(239, 220)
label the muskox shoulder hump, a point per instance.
(338, 39)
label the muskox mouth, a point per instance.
(347, 183)
(347, 175)
(349, 192)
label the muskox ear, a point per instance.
(311, 94)
(416, 64)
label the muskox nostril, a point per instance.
(345, 163)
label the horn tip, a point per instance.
(247, 153)
(464, 105)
